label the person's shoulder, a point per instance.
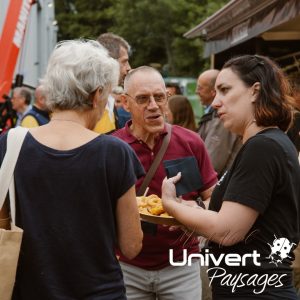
(184, 133)
(120, 133)
(268, 143)
(268, 135)
(182, 130)
(211, 122)
(114, 141)
(29, 121)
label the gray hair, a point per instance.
(76, 69)
(40, 92)
(113, 43)
(24, 93)
(118, 90)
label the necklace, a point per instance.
(66, 120)
(245, 137)
(268, 127)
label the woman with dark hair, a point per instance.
(253, 219)
(180, 112)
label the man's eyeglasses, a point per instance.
(160, 99)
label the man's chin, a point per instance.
(155, 128)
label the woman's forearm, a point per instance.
(204, 222)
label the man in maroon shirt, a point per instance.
(150, 275)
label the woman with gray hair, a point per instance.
(75, 189)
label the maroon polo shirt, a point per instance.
(183, 143)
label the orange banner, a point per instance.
(11, 40)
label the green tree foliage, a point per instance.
(81, 18)
(153, 28)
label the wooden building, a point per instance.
(266, 27)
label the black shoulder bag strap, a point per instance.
(156, 161)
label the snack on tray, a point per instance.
(151, 205)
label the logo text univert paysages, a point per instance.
(257, 281)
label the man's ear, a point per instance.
(125, 102)
(24, 101)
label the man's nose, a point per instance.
(152, 103)
(128, 67)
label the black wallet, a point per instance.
(190, 175)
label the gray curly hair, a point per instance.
(75, 70)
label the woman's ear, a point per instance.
(98, 98)
(255, 90)
(94, 96)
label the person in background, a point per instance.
(74, 204)
(118, 49)
(150, 275)
(116, 93)
(221, 144)
(38, 115)
(123, 115)
(180, 112)
(21, 102)
(173, 88)
(254, 208)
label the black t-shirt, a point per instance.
(66, 203)
(264, 176)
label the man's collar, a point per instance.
(27, 109)
(129, 138)
(41, 111)
(207, 109)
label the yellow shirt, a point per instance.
(29, 122)
(105, 124)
